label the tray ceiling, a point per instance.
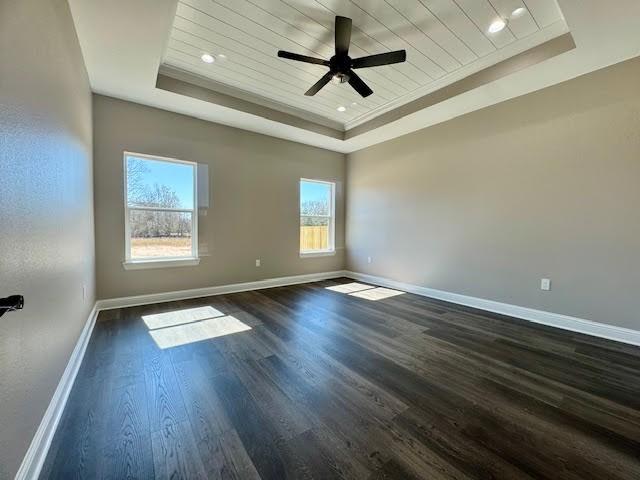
(445, 40)
(123, 61)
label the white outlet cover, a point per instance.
(545, 284)
(257, 262)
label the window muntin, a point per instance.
(160, 215)
(317, 216)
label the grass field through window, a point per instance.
(311, 238)
(150, 247)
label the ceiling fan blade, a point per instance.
(386, 58)
(319, 84)
(343, 35)
(302, 58)
(358, 84)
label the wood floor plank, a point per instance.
(164, 400)
(284, 416)
(77, 448)
(175, 454)
(365, 438)
(256, 433)
(321, 384)
(128, 451)
(222, 453)
(202, 402)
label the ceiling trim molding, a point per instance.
(541, 37)
(185, 83)
(545, 51)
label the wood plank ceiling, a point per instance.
(441, 37)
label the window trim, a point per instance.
(332, 220)
(170, 262)
(159, 262)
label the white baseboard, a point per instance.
(37, 452)
(219, 290)
(565, 322)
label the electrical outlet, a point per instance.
(257, 262)
(545, 284)
(368, 259)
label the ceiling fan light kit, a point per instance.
(341, 65)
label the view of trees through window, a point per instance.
(160, 205)
(312, 208)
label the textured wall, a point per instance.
(546, 185)
(46, 211)
(253, 194)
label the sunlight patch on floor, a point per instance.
(379, 293)
(198, 331)
(180, 317)
(368, 292)
(350, 287)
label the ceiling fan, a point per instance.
(341, 65)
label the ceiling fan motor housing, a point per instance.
(340, 64)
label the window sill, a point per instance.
(325, 253)
(168, 263)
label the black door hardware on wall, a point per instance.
(11, 304)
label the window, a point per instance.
(161, 221)
(317, 222)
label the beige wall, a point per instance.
(46, 211)
(253, 194)
(546, 185)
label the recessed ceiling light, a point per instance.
(207, 58)
(341, 108)
(497, 26)
(518, 12)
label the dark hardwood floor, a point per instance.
(316, 383)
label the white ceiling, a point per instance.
(445, 40)
(124, 43)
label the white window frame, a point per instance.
(331, 250)
(160, 262)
